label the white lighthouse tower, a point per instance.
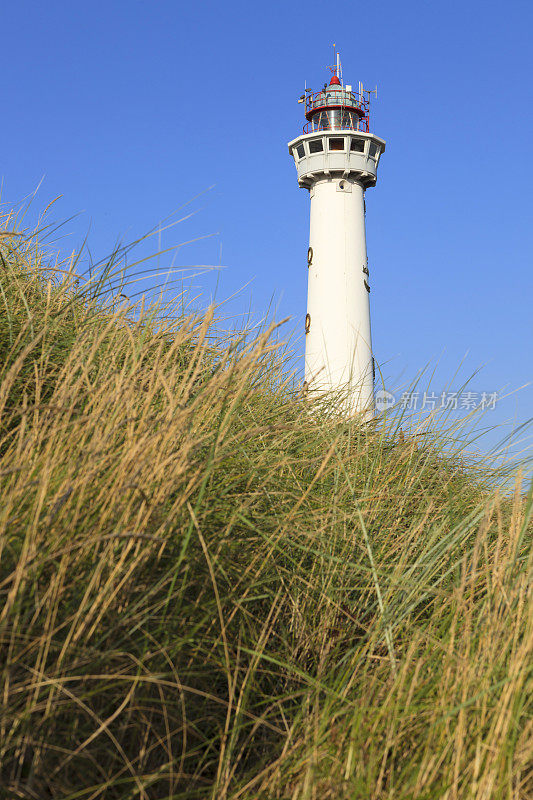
(337, 159)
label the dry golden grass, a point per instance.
(208, 592)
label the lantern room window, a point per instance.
(300, 151)
(316, 146)
(357, 146)
(373, 150)
(336, 144)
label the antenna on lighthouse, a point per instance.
(336, 68)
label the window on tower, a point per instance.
(316, 146)
(373, 150)
(357, 146)
(300, 150)
(336, 144)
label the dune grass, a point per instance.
(210, 590)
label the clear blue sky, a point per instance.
(130, 109)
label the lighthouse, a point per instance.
(336, 160)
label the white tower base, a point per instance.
(338, 348)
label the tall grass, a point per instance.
(210, 591)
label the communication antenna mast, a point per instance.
(337, 66)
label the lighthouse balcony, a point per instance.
(337, 153)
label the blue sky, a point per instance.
(130, 109)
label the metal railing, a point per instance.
(338, 97)
(346, 105)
